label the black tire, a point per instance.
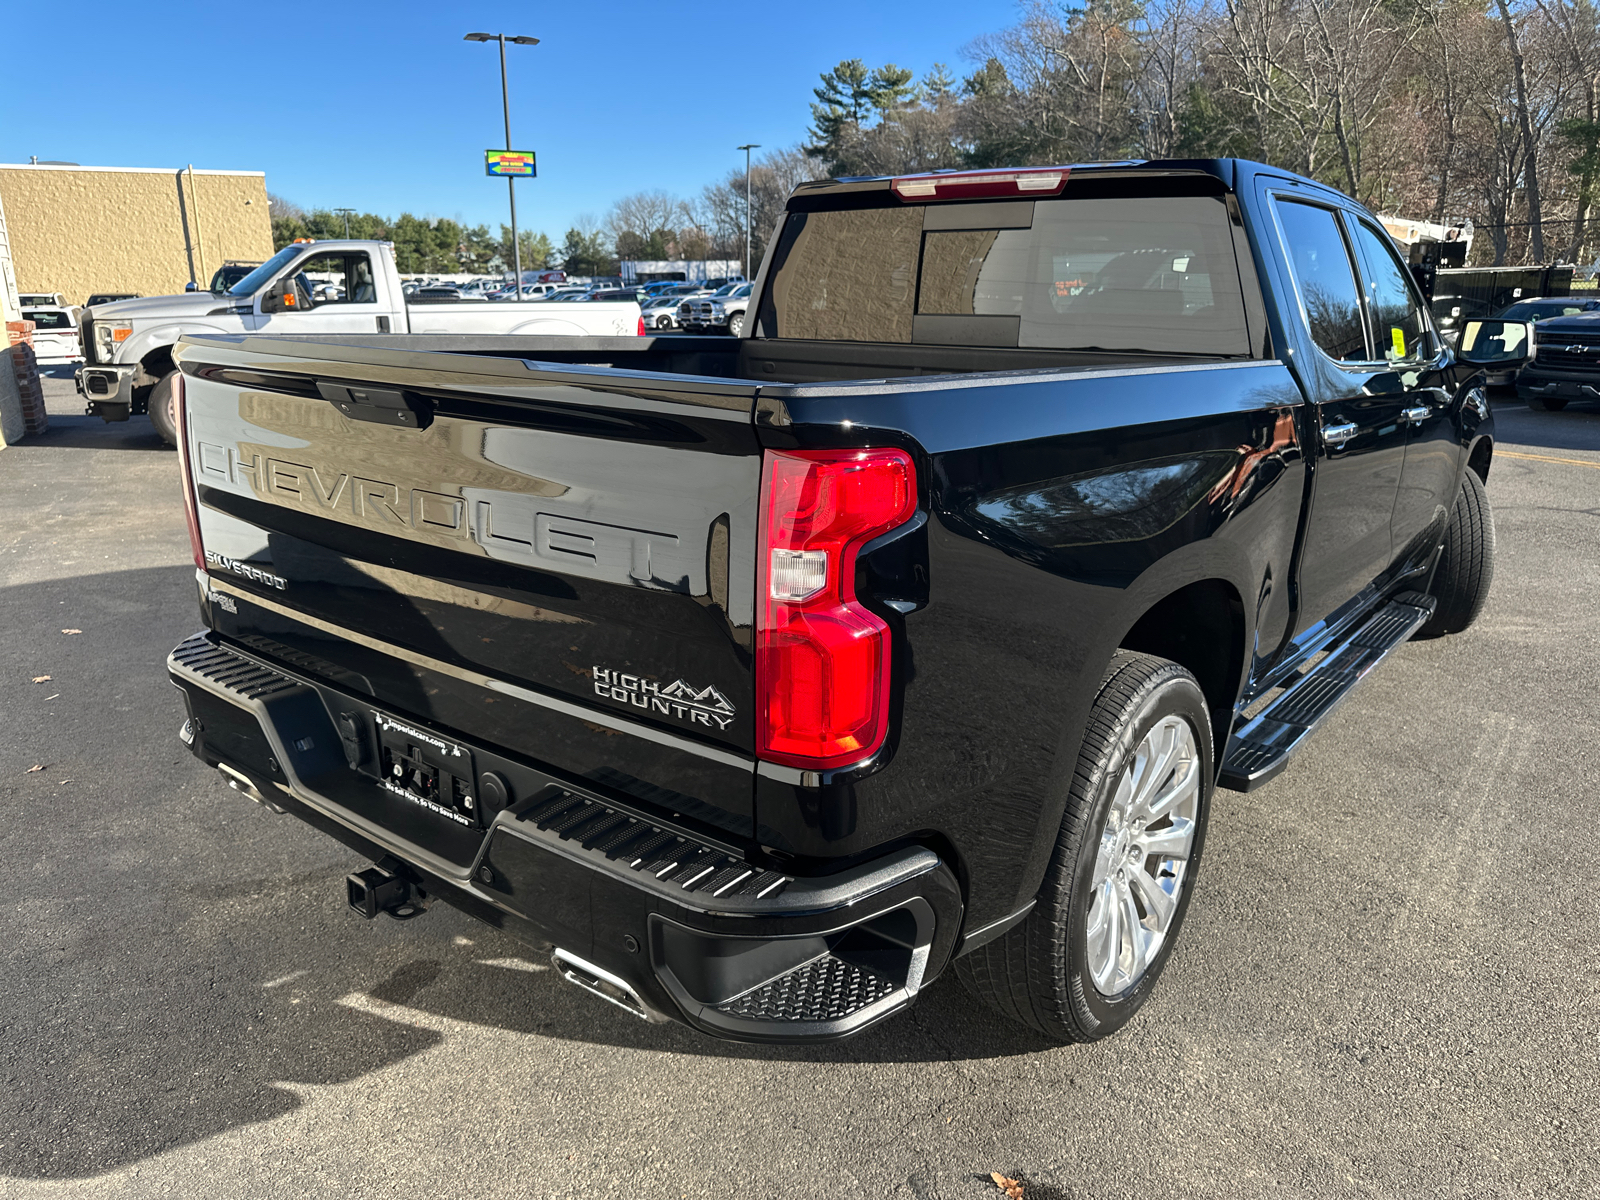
(1038, 974)
(736, 324)
(164, 408)
(1545, 404)
(1465, 572)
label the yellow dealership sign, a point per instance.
(509, 162)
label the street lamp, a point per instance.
(346, 212)
(505, 99)
(747, 148)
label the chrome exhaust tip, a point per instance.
(605, 985)
(242, 783)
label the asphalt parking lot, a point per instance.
(1387, 985)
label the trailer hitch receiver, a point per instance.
(384, 888)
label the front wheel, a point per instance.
(164, 408)
(736, 324)
(1123, 870)
(1465, 571)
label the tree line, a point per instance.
(1441, 110)
(440, 246)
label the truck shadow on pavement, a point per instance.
(91, 433)
(530, 999)
(177, 964)
(131, 1041)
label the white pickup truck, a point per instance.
(127, 346)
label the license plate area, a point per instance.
(430, 771)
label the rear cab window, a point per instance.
(1142, 272)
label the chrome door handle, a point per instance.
(1418, 414)
(1338, 435)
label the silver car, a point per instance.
(661, 313)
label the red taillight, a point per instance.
(822, 660)
(978, 185)
(641, 326)
(180, 412)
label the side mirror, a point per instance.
(1494, 343)
(281, 297)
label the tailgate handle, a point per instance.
(384, 406)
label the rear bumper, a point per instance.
(657, 918)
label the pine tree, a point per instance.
(844, 100)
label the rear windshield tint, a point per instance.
(49, 320)
(1150, 273)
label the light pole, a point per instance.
(505, 100)
(346, 212)
(747, 148)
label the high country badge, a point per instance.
(699, 706)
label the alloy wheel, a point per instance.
(1143, 856)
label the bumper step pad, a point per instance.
(1260, 748)
(652, 850)
(824, 989)
(245, 678)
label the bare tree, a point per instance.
(1576, 28)
(278, 207)
(719, 214)
(1169, 32)
(1525, 120)
(643, 216)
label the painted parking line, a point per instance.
(1576, 462)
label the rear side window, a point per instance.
(848, 276)
(1139, 273)
(1324, 279)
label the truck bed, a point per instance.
(755, 360)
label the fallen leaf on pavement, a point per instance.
(57, 695)
(1011, 1187)
(35, 767)
(72, 631)
(41, 678)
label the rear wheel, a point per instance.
(1545, 404)
(1123, 870)
(164, 408)
(1465, 571)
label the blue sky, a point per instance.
(384, 107)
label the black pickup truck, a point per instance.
(768, 678)
(1566, 366)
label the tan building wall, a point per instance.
(78, 230)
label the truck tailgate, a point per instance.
(555, 560)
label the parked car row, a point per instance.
(724, 309)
